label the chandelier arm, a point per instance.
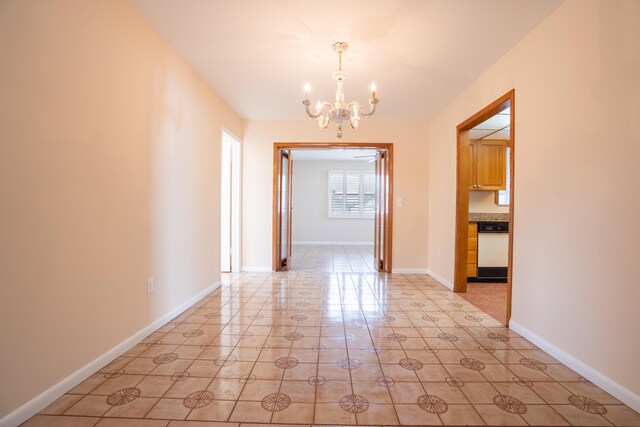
(372, 103)
(307, 108)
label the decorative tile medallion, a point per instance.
(471, 318)
(522, 381)
(533, 364)
(193, 333)
(454, 381)
(299, 317)
(386, 382)
(180, 376)
(349, 363)
(286, 362)
(316, 380)
(432, 404)
(153, 343)
(276, 402)
(247, 379)
(198, 399)
(447, 337)
(431, 349)
(293, 336)
(354, 403)
(471, 363)
(123, 396)
(411, 364)
(114, 373)
(497, 337)
(587, 404)
(509, 404)
(165, 358)
(397, 337)
(227, 360)
(486, 349)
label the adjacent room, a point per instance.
(293, 213)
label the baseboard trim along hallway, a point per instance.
(618, 391)
(47, 397)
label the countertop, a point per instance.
(488, 217)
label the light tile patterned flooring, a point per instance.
(334, 348)
(332, 258)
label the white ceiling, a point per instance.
(496, 127)
(333, 155)
(257, 54)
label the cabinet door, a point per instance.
(492, 165)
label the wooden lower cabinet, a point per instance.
(472, 250)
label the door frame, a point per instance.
(462, 191)
(388, 219)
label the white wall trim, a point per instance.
(48, 396)
(330, 243)
(409, 271)
(607, 384)
(440, 279)
(256, 269)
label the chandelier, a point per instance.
(340, 112)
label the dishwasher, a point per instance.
(493, 251)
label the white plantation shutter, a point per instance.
(369, 193)
(351, 194)
(352, 201)
(336, 193)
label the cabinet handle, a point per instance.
(479, 185)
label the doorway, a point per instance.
(484, 208)
(374, 195)
(230, 203)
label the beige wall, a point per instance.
(310, 200)
(410, 183)
(485, 202)
(109, 173)
(577, 151)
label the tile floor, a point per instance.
(490, 298)
(334, 348)
(332, 258)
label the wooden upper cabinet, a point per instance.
(489, 165)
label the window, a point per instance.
(502, 198)
(351, 194)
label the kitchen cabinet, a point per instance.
(472, 250)
(488, 169)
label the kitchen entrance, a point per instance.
(484, 208)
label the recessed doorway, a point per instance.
(484, 208)
(354, 193)
(230, 203)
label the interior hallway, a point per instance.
(340, 348)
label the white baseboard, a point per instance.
(332, 243)
(618, 391)
(409, 271)
(48, 396)
(256, 269)
(440, 279)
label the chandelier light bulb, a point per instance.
(373, 86)
(307, 87)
